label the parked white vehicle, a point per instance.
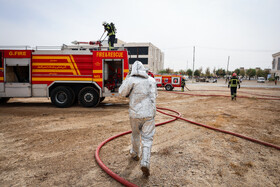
(261, 80)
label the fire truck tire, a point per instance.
(62, 96)
(168, 87)
(75, 99)
(89, 97)
(4, 100)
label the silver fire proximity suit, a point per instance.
(142, 92)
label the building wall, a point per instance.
(150, 55)
(152, 60)
(276, 64)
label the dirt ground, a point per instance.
(41, 145)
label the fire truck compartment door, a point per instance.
(17, 77)
(18, 89)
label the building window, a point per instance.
(278, 66)
(143, 60)
(137, 50)
(273, 64)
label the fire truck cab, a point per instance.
(168, 81)
(67, 75)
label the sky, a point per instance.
(245, 31)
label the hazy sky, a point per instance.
(246, 30)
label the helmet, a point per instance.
(234, 75)
(104, 23)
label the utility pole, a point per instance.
(228, 64)
(193, 63)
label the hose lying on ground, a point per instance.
(127, 183)
(106, 169)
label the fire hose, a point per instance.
(127, 183)
(106, 169)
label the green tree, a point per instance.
(197, 73)
(169, 71)
(242, 72)
(214, 71)
(251, 73)
(182, 72)
(189, 72)
(200, 71)
(237, 71)
(260, 73)
(166, 71)
(207, 72)
(266, 72)
(163, 71)
(221, 72)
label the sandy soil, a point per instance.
(41, 145)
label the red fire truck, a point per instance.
(66, 75)
(168, 81)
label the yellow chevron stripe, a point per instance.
(97, 71)
(75, 65)
(97, 80)
(71, 66)
(52, 70)
(60, 79)
(1, 78)
(126, 70)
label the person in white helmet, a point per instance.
(142, 92)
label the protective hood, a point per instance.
(142, 92)
(138, 69)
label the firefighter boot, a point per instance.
(182, 89)
(145, 162)
(135, 156)
(232, 97)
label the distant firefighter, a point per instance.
(111, 32)
(233, 83)
(183, 84)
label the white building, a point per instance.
(150, 55)
(275, 71)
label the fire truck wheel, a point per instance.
(88, 97)
(62, 96)
(75, 99)
(4, 100)
(168, 87)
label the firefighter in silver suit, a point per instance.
(142, 92)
